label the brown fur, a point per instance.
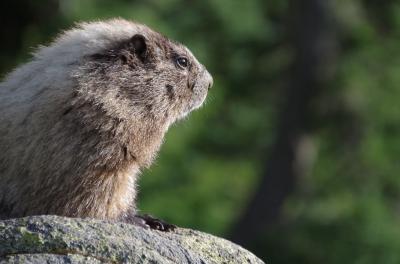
(76, 133)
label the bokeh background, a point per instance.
(296, 154)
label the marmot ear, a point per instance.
(139, 44)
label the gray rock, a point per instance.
(54, 239)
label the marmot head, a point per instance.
(143, 75)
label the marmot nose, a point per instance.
(210, 84)
(209, 80)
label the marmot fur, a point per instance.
(79, 121)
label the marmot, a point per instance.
(79, 121)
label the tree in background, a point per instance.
(312, 39)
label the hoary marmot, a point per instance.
(79, 121)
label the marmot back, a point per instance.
(81, 118)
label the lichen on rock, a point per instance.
(54, 239)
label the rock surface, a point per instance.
(53, 239)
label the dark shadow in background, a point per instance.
(311, 34)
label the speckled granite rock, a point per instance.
(53, 239)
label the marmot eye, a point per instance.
(182, 62)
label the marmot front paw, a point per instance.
(148, 221)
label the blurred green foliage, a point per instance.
(347, 209)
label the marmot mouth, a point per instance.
(197, 103)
